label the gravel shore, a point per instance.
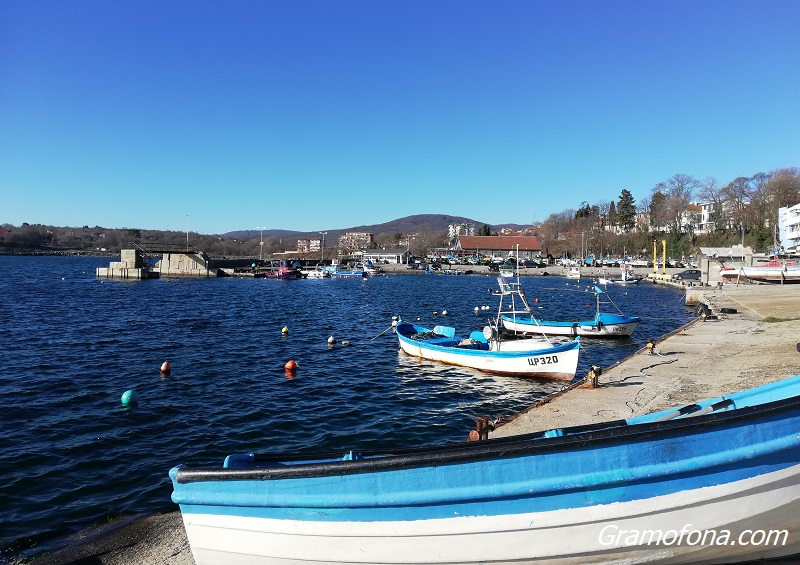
(708, 358)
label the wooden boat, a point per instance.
(338, 272)
(627, 277)
(283, 269)
(317, 272)
(714, 482)
(773, 271)
(492, 349)
(520, 319)
(507, 270)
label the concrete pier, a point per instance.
(130, 266)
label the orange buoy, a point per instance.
(291, 365)
(166, 367)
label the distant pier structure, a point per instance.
(144, 263)
(131, 265)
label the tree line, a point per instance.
(743, 211)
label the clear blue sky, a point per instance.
(315, 115)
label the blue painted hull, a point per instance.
(552, 495)
(602, 325)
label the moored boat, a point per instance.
(490, 351)
(713, 482)
(283, 269)
(493, 350)
(603, 324)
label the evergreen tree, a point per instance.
(626, 210)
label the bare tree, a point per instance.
(680, 189)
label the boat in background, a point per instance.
(318, 272)
(520, 319)
(773, 271)
(507, 270)
(574, 273)
(372, 270)
(690, 485)
(338, 271)
(627, 276)
(283, 269)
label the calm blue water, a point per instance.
(73, 456)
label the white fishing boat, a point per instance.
(773, 271)
(519, 319)
(574, 273)
(493, 350)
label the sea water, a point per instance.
(73, 455)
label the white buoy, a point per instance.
(444, 312)
(395, 319)
(331, 340)
(345, 343)
(435, 312)
(477, 309)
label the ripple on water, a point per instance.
(73, 454)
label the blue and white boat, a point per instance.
(493, 350)
(716, 482)
(347, 272)
(520, 319)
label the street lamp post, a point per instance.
(322, 233)
(261, 247)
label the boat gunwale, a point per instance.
(579, 437)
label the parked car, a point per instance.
(688, 274)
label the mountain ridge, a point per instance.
(430, 223)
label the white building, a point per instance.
(789, 228)
(454, 231)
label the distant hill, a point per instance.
(430, 223)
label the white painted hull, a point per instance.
(762, 274)
(547, 364)
(578, 329)
(559, 537)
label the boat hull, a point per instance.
(606, 326)
(720, 487)
(529, 358)
(763, 274)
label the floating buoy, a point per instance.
(477, 309)
(435, 312)
(166, 367)
(418, 319)
(129, 397)
(444, 312)
(395, 319)
(536, 300)
(291, 365)
(345, 343)
(331, 340)
(285, 330)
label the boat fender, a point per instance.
(291, 365)
(574, 329)
(489, 333)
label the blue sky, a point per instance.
(315, 115)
